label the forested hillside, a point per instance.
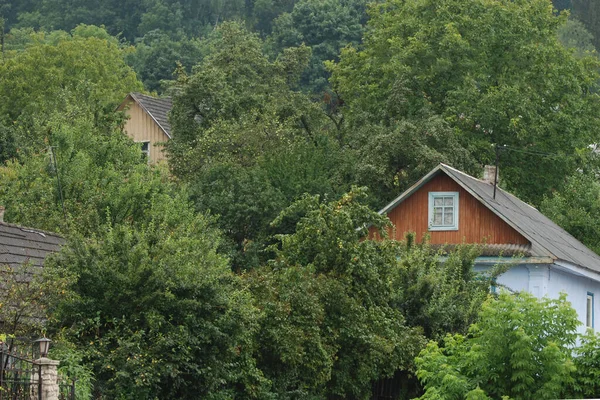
(240, 270)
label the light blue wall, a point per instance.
(577, 288)
(550, 280)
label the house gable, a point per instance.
(476, 223)
(143, 127)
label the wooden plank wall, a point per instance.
(476, 223)
(141, 127)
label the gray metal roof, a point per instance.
(547, 238)
(19, 245)
(157, 108)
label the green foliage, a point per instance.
(520, 348)
(391, 158)
(25, 295)
(588, 12)
(494, 70)
(102, 178)
(328, 328)
(237, 105)
(587, 361)
(8, 143)
(156, 312)
(73, 368)
(247, 199)
(242, 134)
(440, 297)
(576, 208)
(326, 27)
(43, 77)
(573, 35)
(157, 56)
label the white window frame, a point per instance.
(589, 310)
(147, 153)
(432, 196)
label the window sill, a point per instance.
(442, 228)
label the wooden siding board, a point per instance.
(476, 223)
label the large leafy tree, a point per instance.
(52, 73)
(155, 310)
(237, 105)
(329, 326)
(88, 176)
(241, 133)
(520, 348)
(494, 70)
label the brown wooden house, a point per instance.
(148, 123)
(452, 208)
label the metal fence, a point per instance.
(21, 377)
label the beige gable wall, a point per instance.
(142, 128)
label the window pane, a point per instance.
(448, 216)
(145, 147)
(438, 201)
(448, 201)
(437, 216)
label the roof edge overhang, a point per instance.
(132, 97)
(513, 260)
(537, 249)
(408, 192)
(577, 270)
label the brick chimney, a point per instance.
(489, 174)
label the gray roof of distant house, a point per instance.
(157, 108)
(19, 245)
(547, 238)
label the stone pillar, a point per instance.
(539, 276)
(49, 374)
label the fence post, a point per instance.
(45, 384)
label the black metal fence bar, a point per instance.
(16, 375)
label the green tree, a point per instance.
(26, 293)
(587, 361)
(156, 311)
(86, 70)
(392, 157)
(102, 177)
(573, 35)
(326, 27)
(328, 326)
(157, 56)
(240, 132)
(440, 297)
(576, 208)
(494, 70)
(237, 105)
(520, 348)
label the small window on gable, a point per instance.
(443, 211)
(145, 146)
(589, 311)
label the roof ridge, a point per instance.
(487, 183)
(32, 230)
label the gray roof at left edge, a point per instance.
(546, 237)
(20, 245)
